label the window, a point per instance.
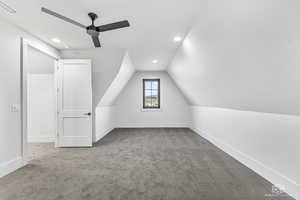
(151, 93)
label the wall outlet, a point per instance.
(15, 108)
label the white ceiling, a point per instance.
(154, 23)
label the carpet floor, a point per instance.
(40, 150)
(138, 164)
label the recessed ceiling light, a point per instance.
(177, 39)
(154, 61)
(56, 40)
(7, 8)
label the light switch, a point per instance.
(15, 108)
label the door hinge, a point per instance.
(57, 89)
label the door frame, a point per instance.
(25, 44)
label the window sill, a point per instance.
(151, 109)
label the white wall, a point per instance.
(105, 121)
(39, 63)
(267, 143)
(41, 107)
(105, 111)
(244, 55)
(10, 122)
(41, 99)
(174, 110)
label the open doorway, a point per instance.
(56, 101)
(40, 103)
(39, 120)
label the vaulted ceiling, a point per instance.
(154, 23)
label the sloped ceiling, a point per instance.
(244, 55)
(125, 73)
(154, 23)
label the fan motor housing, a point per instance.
(92, 31)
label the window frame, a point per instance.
(158, 90)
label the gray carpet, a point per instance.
(138, 164)
(40, 150)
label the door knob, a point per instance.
(89, 114)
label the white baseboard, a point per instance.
(101, 134)
(154, 125)
(41, 139)
(10, 166)
(292, 188)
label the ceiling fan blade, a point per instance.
(96, 41)
(112, 26)
(45, 10)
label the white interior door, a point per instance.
(74, 103)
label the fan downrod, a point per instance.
(93, 16)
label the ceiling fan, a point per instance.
(92, 30)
